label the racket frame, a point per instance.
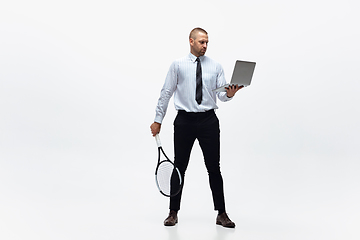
(161, 150)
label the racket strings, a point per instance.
(168, 178)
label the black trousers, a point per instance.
(204, 127)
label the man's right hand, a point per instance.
(155, 128)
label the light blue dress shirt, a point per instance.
(181, 81)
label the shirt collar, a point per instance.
(193, 57)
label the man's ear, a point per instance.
(191, 41)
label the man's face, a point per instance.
(199, 44)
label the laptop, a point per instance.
(242, 75)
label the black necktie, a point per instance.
(198, 82)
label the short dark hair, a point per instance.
(195, 31)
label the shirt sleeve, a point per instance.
(221, 82)
(166, 93)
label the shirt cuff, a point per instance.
(158, 119)
(228, 98)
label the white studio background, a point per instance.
(79, 81)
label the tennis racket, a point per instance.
(167, 176)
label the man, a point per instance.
(191, 79)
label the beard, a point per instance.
(202, 52)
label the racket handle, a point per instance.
(157, 138)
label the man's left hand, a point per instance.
(232, 89)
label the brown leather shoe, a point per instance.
(224, 221)
(172, 219)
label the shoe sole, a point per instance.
(170, 225)
(219, 223)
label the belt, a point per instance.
(196, 113)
